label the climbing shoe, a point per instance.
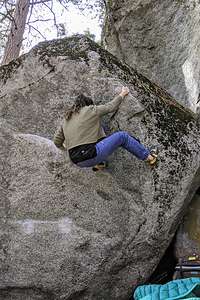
(99, 167)
(154, 152)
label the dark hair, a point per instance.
(80, 102)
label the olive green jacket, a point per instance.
(84, 127)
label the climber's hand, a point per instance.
(124, 91)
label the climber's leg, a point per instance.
(118, 139)
(121, 139)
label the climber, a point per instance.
(84, 138)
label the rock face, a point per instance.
(69, 233)
(161, 39)
(188, 236)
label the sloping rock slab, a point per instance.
(69, 233)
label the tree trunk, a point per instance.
(15, 36)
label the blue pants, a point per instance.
(109, 144)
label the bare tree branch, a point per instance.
(60, 1)
(38, 20)
(31, 26)
(5, 16)
(6, 1)
(39, 2)
(54, 16)
(30, 14)
(10, 15)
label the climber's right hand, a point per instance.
(124, 91)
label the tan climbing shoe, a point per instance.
(154, 152)
(153, 161)
(99, 167)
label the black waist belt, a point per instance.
(83, 152)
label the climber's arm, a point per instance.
(112, 105)
(59, 138)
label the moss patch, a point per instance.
(172, 118)
(6, 71)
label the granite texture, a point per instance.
(161, 39)
(69, 233)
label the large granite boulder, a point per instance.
(161, 39)
(188, 236)
(68, 233)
